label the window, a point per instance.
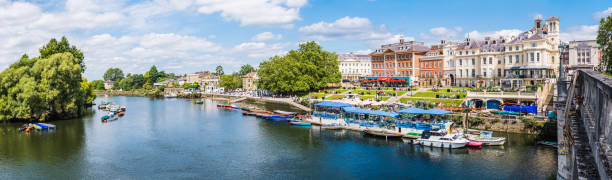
(538, 57)
(484, 60)
(473, 52)
(509, 48)
(510, 59)
(498, 72)
(498, 60)
(490, 60)
(517, 59)
(533, 44)
(460, 62)
(588, 60)
(517, 48)
(460, 73)
(531, 57)
(473, 72)
(484, 72)
(473, 61)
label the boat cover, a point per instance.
(332, 104)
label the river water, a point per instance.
(175, 138)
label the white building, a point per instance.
(524, 60)
(584, 54)
(449, 63)
(352, 66)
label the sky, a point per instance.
(186, 36)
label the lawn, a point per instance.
(451, 89)
(381, 98)
(315, 95)
(338, 91)
(433, 94)
(336, 96)
(446, 102)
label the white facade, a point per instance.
(584, 54)
(352, 66)
(527, 59)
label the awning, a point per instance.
(439, 112)
(332, 104)
(412, 110)
(370, 112)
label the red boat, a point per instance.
(224, 105)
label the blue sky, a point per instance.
(184, 36)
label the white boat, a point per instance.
(486, 137)
(442, 140)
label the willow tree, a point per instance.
(307, 69)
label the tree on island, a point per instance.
(245, 69)
(219, 71)
(604, 39)
(307, 69)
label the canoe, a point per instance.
(259, 111)
(286, 113)
(224, 105)
(46, 126)
(105, 117)
(300, 123)
(277, 117)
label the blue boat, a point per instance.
(46, 126)
(279, 117)
(300, 123)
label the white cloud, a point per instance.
(255, 12)
(584, 32)
(348, 28)
(266, 36)
(493, 34)
(600, 14)
(434, 35)
(261, 49)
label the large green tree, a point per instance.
(97, 84)
(245, 69)
(113, 74)
(152, 75)
(46, 87)
(219, 71)
(306, 69)
(232, 81)
(604, 39)
(54, 47)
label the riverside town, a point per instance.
(296, 89)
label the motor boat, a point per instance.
(441, 140)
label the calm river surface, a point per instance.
(175, 138)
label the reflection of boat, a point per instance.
(486, 137)
(300, 123)
(441, 139)
(380, 133)
(331, 127)
(548, 143)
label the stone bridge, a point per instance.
(584, 127)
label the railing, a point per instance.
(502, 94)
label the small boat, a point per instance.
(246, 108)
(122, 108)
(235, 107)
(260, 111)
(278, 117)
(46, 126)
(105, 117)
(474, 144)
(286, 113)
(442, 140)
(120, 114)
(300, 123)
(380, 133)
(224, 105)
(486, 137)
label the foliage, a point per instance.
(232, 81)
(245, 69)
(113, 74)
(97, 84)
(219, 71)
(604, 39)
(309, 68)
(152, 75)
(46, 87)
(193, 85)
(53, 47)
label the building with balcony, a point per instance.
(398, 59)
(524, 60)
(352, 66)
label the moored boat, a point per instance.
(381, 133)
(46, 125)
(300, 123)
(286, 113)
(486, 137)
(474, 144)
(442, 140)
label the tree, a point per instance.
(126, 83)
(245, 69)
(604, 39)
(97, 84)
(232, 81)
(53, 47)
(113, 74)
(219, 71)
(152, 75)
(306, 69)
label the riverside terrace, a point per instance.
(352, 118)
